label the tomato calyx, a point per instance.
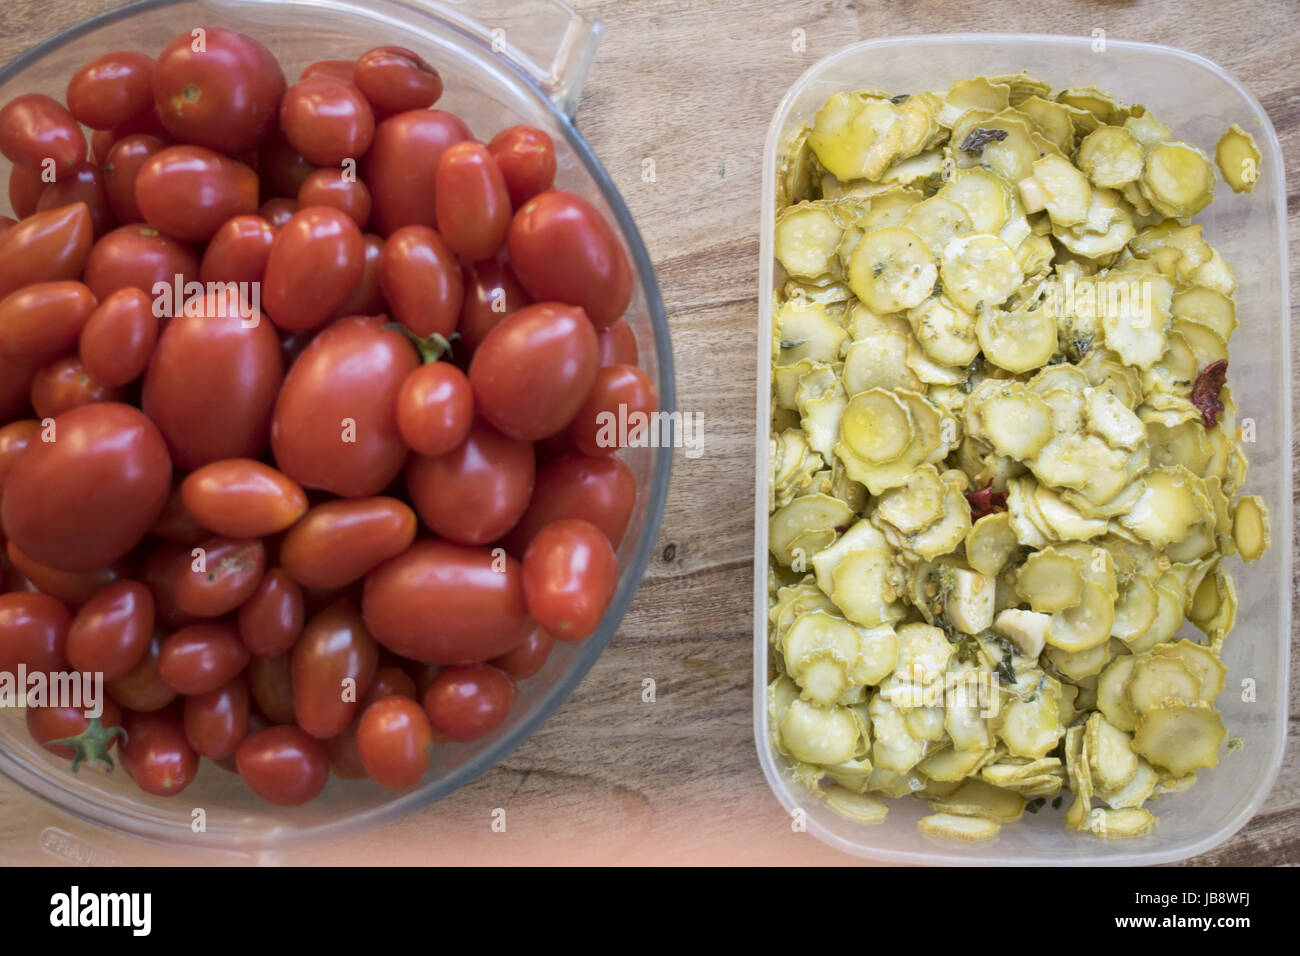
(432, 347)
(91, 745)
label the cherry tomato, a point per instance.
(139, 256)
(326, 120)
(332, 665)
(122, 166)
(242, 498)
(599, 490)
(281, 167)
(562, 249)
(532, 372)
(84, 184)
(33, 632)
(142, 688)
(271, 620)
(366, 297)
(469, 701)
(475, 493)
(570, 574)
(175, 523)
(111, 632)
(402, 164)
(421, 281)
(118, 339)
(435, 408)
(395, 79)
(316, 259)
(526, 156)
(68, 733)
(15, 392)
(14, 439)
(345, 758)
(25, 189)
(220, 579)
(270, 681)
(216, 722)
(213, 382)
(443, 603)
(101, 141)
(529, 657)
(188, 191)
(223, 92)
(283, 765)
(112, 89)
(491, 294)
(238, 251)
(338, 542)
(617, 344)
(84, 500)
(73, 588)
(333, 187)
(43, 321)
(201, 657)
(278, 212)
(616, 411)
(395, 741)
(45, 246)
(335, 422)
(471, 201)
(64, 384)
(339, 69)
(156, 754)
(35, 128)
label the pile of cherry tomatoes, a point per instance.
(303, 395)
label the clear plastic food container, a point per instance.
(502, 63)
(1198, 100)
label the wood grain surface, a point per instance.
(609, 778)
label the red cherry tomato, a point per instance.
(271, 620)
(334, 187)
(213, 382)
(570, 574)
(217, 88)
(283, 765)
(421, 282)
(44, 320)
(529, 657)
(335, 423)
(122, 166)
(73, 588)
(68, 733)
(326, 120)
(617, 344)
(46, 246)
(532, 372)
(442, 603)
(221, 578)
(366, 297)
(271, 684)
(111, 633)
(64, 384)
(395, 742)
(492, 293)
(402, 164)
(35, 128)
(156, 754)
(101, 141)
(33, 632)
(338, 542)
(242, 498)
(139, 256)
(435, 408)
(112, 89)
(238, 252)
(189, 191)
(599, 490)
(14, 440)
(118, 339)
(25, 189)
(142, 688)
(201, 657)
(562, 249)
(85, 184)
(316, 259)
(86, 499)
(216, 722)
(339, 69)
(616, 411)
(278, 212)
(469, 701)
(395, 79)
(526, 156)
(332, 665)
(471, 201)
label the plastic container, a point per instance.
(1198, 100)
(503, 63)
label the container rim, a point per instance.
(767, 757)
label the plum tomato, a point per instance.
(86, 498)
(599, 490)
(334, 187)
(33, 632)
(471, 201)
(491, 294)
(45, 246)
(326, 120)
(118, 339)
(242, 498)
(101, 141)
(435, 408)
(218, 88)
(112, 89)
(529, 657)
(216, 722)
(223, 574)
(402, 164)
(14, 440)
(139, 256)
(562, 249)
(155, 752)
(44, 320)
(395, 742)
(332, 665)
(469, 701)
(617, 344)
(188, 192)
(442, 603)
(366, 297)
(534, 370)
(278, 212)
(570, 574)
(15, 391)
(238, 251)
(64, 384)
(421, 281)
(122, 165)
(201, 657)
(270, 682)
(142, 688)
(316, 259)
(476, 492)
(68, 733)
(395, 79)
(111, 632)
(272, 618)
(85, 184)
(526, 156)
(335, 421)
(213, 382)
(73, 588)
(616, 411)
(338, 542)
(283, 765)
(35, 128)
(25, 189)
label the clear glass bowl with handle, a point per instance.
(502, 63)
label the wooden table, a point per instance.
(693, 85)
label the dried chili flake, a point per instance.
(1205, 393)
(986, 501)
(980, 137)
